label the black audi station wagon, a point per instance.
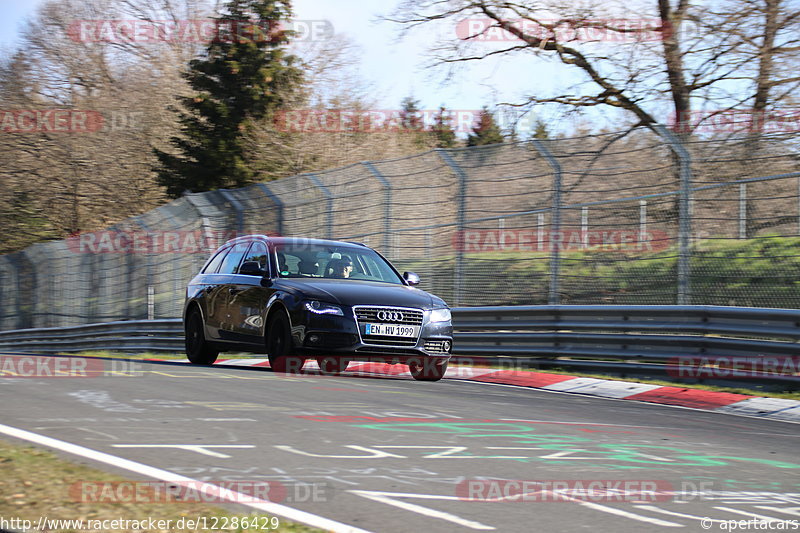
(296, 299)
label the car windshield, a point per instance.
(307, 261)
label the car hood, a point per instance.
(358, 292)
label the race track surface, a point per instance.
(390, 454)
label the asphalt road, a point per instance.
(390, 454)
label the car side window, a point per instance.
(213, 265)
(258, 253)
(230, 265)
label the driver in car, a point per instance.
(342, 268)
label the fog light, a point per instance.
(313, 339)
(446, 346)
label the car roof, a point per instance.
(292, 240)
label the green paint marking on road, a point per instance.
(572, 450)
(475, 430)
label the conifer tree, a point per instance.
(486, 131)
(443, 130)
(244, 76)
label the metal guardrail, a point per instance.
(129, 336)
(622, 339)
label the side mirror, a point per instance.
(411, 278)
(251, 268)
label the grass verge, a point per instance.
(37, 483)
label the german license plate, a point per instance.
(392, 330)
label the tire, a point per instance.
(198, 350)
(279, 345)
(332, 366)
(427, 370)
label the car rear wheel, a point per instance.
(427, 370)
(279, 345)
(198, 350)
(332, 365)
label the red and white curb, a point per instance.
(723, 402)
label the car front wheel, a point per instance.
(198, 350)
(279, 345)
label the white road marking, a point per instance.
(754, 515)
(374, 454)
(596, 506)
(390, 499)
(102, 399)
(165, 475)
(108, 436)
(792, 511)
(655, 509)
(632, 516)
(450, 450)
(199, 448)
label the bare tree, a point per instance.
(667, 57)
(62, 182)
(334, 85)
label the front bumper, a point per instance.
(342, 336)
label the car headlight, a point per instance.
(440, 315)
(321, 308)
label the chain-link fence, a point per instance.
(618, 218)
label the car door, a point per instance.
(226, 312)
(211, 289)
(248, 297)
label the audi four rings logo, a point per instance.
(390, 316)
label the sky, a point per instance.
(393, 67)
(12, 16)
(397, 67)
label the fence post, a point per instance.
(584, 227)
(458, 281)
(540, 232)
(554, 298)
(684, 212)
(387, 210)
(237, 205)
(278, 205)
(26, 284)
(205, 222)
(329, 197)
(129, 282)
(151, 303)
(643, 224)
(742, 210)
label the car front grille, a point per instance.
(388, 315)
